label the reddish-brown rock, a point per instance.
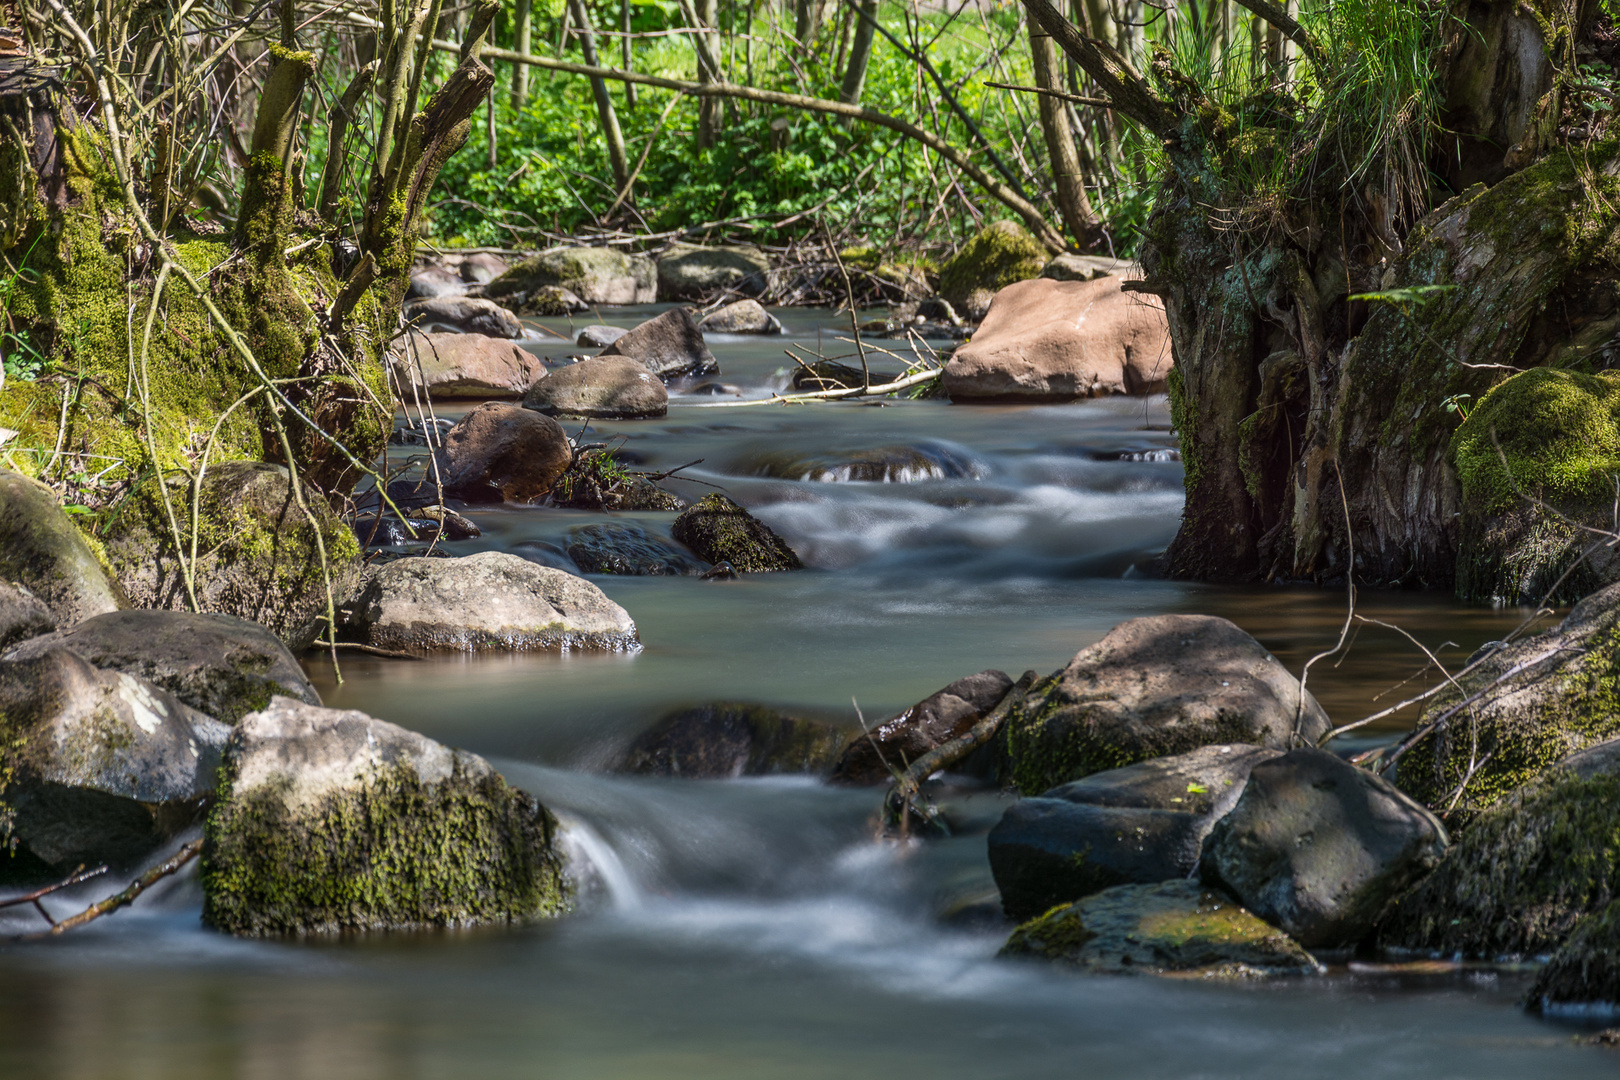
(504, 452)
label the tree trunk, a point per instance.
(1074, 206)
(700, 15)
(522, 30)
(618, 160)
(860, 52)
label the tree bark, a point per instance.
(1068, 178)
(618, 160)
(860, 53)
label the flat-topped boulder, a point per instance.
(1045, 340)
(504, 453)
(669, 345)
(43, 551)
(487, 601)
(444, 365)
(101, 766)
(331, 821)
(471, 314)
(595, 275)
(692, 272)
(1156, 686)
(601, 388)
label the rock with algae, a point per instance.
(719, 530)
(42, 550)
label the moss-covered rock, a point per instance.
(1536, 459)
(999, 255)
(692, 272)
(1171, 928)
(1152, 687)
(1519, 712)
(719, 530)
(595, 275)
(331, 821)
(1523, 874)
(257, 556)
(730, 739)
(41, 549)
(1584, 974)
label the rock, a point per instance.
(43, 551)
(873, 757)
(549, 301)
(600, 337)
(501, 452)
(257, 553)
(490, 600)
(598, 480)
(690, 272)
(937, 309)
(23, 616)
(831, 375)
(433, 281)
(464, 365)
(218, 664)
(627, 549)
(1061, 340)
(726, 740)
(999, 255)
(668, 345)
(330, 821)
(719, 530)
(906, 464)
(1320, 847)
(1583, 976)
(603, 388)
(742, 317)
(101, 766)
(482, 267)
(1089, 268)
(595, 275)
(1529, 706)
(1157, 686)
(471, 314)
(1137, 825)
(1523, 874)
(1171, 928)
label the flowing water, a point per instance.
(753, 928)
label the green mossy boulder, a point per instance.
(1171, 928)
(1156, 686)
(42, 550)
(1523, 874)
(999, 255)
(257, 553)
(1536, 460)
(730, 739)
(719, 530)
(595, 275)
(1584, 974)
(330, 821)
(1519, 712)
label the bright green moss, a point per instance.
(998, 256)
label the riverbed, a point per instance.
(755, 928)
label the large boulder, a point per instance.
(874, 757)
(1136, 825)
(690, 272)
(1000, 254)
(1524, 873)
(720, 531)
(1320, 847)
(500, 452)
(482, 267)
(597, 336)
(602, 388)
(1520, 711)
(726, 740)
(22, 616)
(43, 551)
(257, 553)
(741, 317)
(218, 664)
(613, 548)
(98, 766)
(463, 365)
(1047, 340)
(330, 821)
(1171, 928)
(471, 314)
(1583, 976)
(1153, 687)
(669, 345)
(596, 275)
(435, 280)
(491, 600)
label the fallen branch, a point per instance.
(122, 899)
(81, 874)
(832, 395)
(392, 654)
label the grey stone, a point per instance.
(548, 301)
(742, 317)
(873, 757)
(1153, 687)
(603, 387)
(668, 345)
(22, 616)
(218, 664)
(1089, 268)
(331, 821)
(627, 550)
(595, 275)
(482, 267)
(1320, 847)
(600, 337)
(472, 314)
(432, 281)
(103, 766)
(500, 452)
(691, 272)
(726, 740)
(43, 551)
(488, 601)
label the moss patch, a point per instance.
(718, 530)
(999, 255)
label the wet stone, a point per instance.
(628, 550)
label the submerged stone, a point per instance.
(729, 739)
(1583, 976)
(331, 821)
(628, 550)
(719, 530)
(1171, 928)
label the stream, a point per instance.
(753, 928)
